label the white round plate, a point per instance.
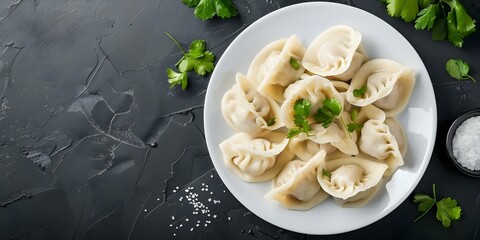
(380, 40)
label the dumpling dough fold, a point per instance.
(336, 53)
(246, 110)
(256, 160)
(350, 176)
(296, 186)
(272, 68)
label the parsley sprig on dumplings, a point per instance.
(301, 112)
(325, 115)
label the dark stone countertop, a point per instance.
(84, 100)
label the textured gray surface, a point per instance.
(84, 96)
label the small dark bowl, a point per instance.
(451, 133)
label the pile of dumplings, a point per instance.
(308, 168)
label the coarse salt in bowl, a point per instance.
(462, 143)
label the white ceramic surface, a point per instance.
(380, 40)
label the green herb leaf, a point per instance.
(354, 114)
(426, 17)
(293, 132)
(425, 202)
(359, 91)
(439, 32)
(294, 63)
(301, 110)
(197, 59)
(191, 3)
(175, 78)
(207, 9)
(326, 173)
(448, 210)
(407, 9)
(225, 8)
(331, 108)
(460, 19)
(353, 126)
(425, 3)
(271, 122)
(302, 107)
(458, 69)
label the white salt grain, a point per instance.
(465, 143)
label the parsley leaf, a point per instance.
(425, 3)
(447, 208)
(225, 8)
(426, 17)
(175, 78)
(207, 9)
(197, 59)
(458, 69)
(331, 108)
(425, 202)
(301, 110)
(326, 173)
(271, 122)
(294, 63)
(191, 3)
(293, 132)
(459, 17)
(439, 31)
(407, 9)
(354, 125)
(359, 91)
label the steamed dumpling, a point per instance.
(350, 176)
(336, 53)
(256, 160)
(246, 110)
(273, 70)
(296, 186)
(314, 89)
(347, 142)
(388, 85)
(377, 141)
(398, 132)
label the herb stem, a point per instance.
(176, 42)
(429, 207)
(470, 77)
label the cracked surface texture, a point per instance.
(95, 145)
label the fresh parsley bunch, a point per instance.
(206, 9)
(445, 18)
